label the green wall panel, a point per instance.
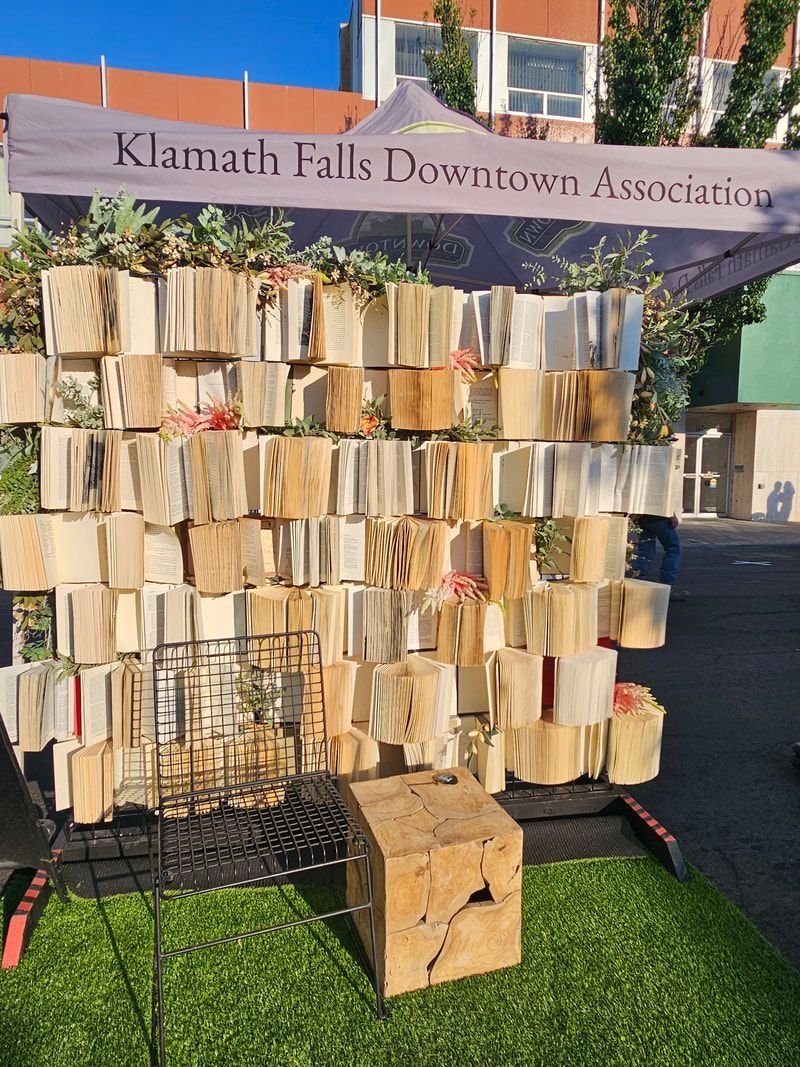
(761, 365)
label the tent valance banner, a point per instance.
(478, 201)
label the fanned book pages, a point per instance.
(86, 623)
(100, 311)
(643, 614)
(514, 688)
(23, 387)
(264, 392)
(405, 553)
(634, 747)
(335, 329)
(584, 687)
(211, 310)
(373, 478)
(558, 334)
(599, 548)
(422, 400)
(168, 614)
(560, 618)
(165, 477)
(586, 312)
(131, 391)
(218, 489)
(621, 315)
(458, 479)
(468, 631)
(295, 476)
(92, 776)
(40, 551)
(587, 405)
(386, 614)
(410, 701)
(217, 557)
(338, 686)
(344, 399)
(353, 757)
(501, 307)
(124, 534)
(444, 324)
(520, 403)
(76, 470)
(548, 754)
(412, 320)
(646, 479)
(279, 609)
(320, 551)
(508, 563)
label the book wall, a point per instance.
(375, 473)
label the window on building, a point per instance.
(411, 41)
(545, 78)
(721, 75)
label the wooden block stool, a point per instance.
(447, 874)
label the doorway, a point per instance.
(706, 474)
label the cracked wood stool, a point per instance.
(447, 878)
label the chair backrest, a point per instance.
(238, 711)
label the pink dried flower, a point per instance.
(630, 698)
(466, 362)
(183, 421)
(456, 585)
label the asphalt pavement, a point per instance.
(729, 677)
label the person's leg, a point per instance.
(644, 554)
(671, 543)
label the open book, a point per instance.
(514, 687)
(457, 480)
(410, 701)
(131, 391)
(422, 399)
(373, 478)
(405, 553)
(508, 563)
(264, 392)
(23, 387)
(218, 488)
(90, 310)
(560, 618)
(210, 310)
(634, 747)
(469, 630)
(295, 476)
(584, 687)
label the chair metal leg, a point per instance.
(161, 1059)
(379, 1001)
(54, 873)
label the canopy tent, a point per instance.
(481, 206)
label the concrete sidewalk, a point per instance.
(729, 677)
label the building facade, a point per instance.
(537, 75)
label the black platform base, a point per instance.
(553, 815)
(581, 820)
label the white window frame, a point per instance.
(425, 28)
(545, 93)
(711, 114)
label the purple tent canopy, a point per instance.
(477, 207)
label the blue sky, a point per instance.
(288, 42)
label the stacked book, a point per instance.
(410, 551)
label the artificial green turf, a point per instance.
(622, 965)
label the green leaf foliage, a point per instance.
(450, 73)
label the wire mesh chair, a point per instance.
(244, 790)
